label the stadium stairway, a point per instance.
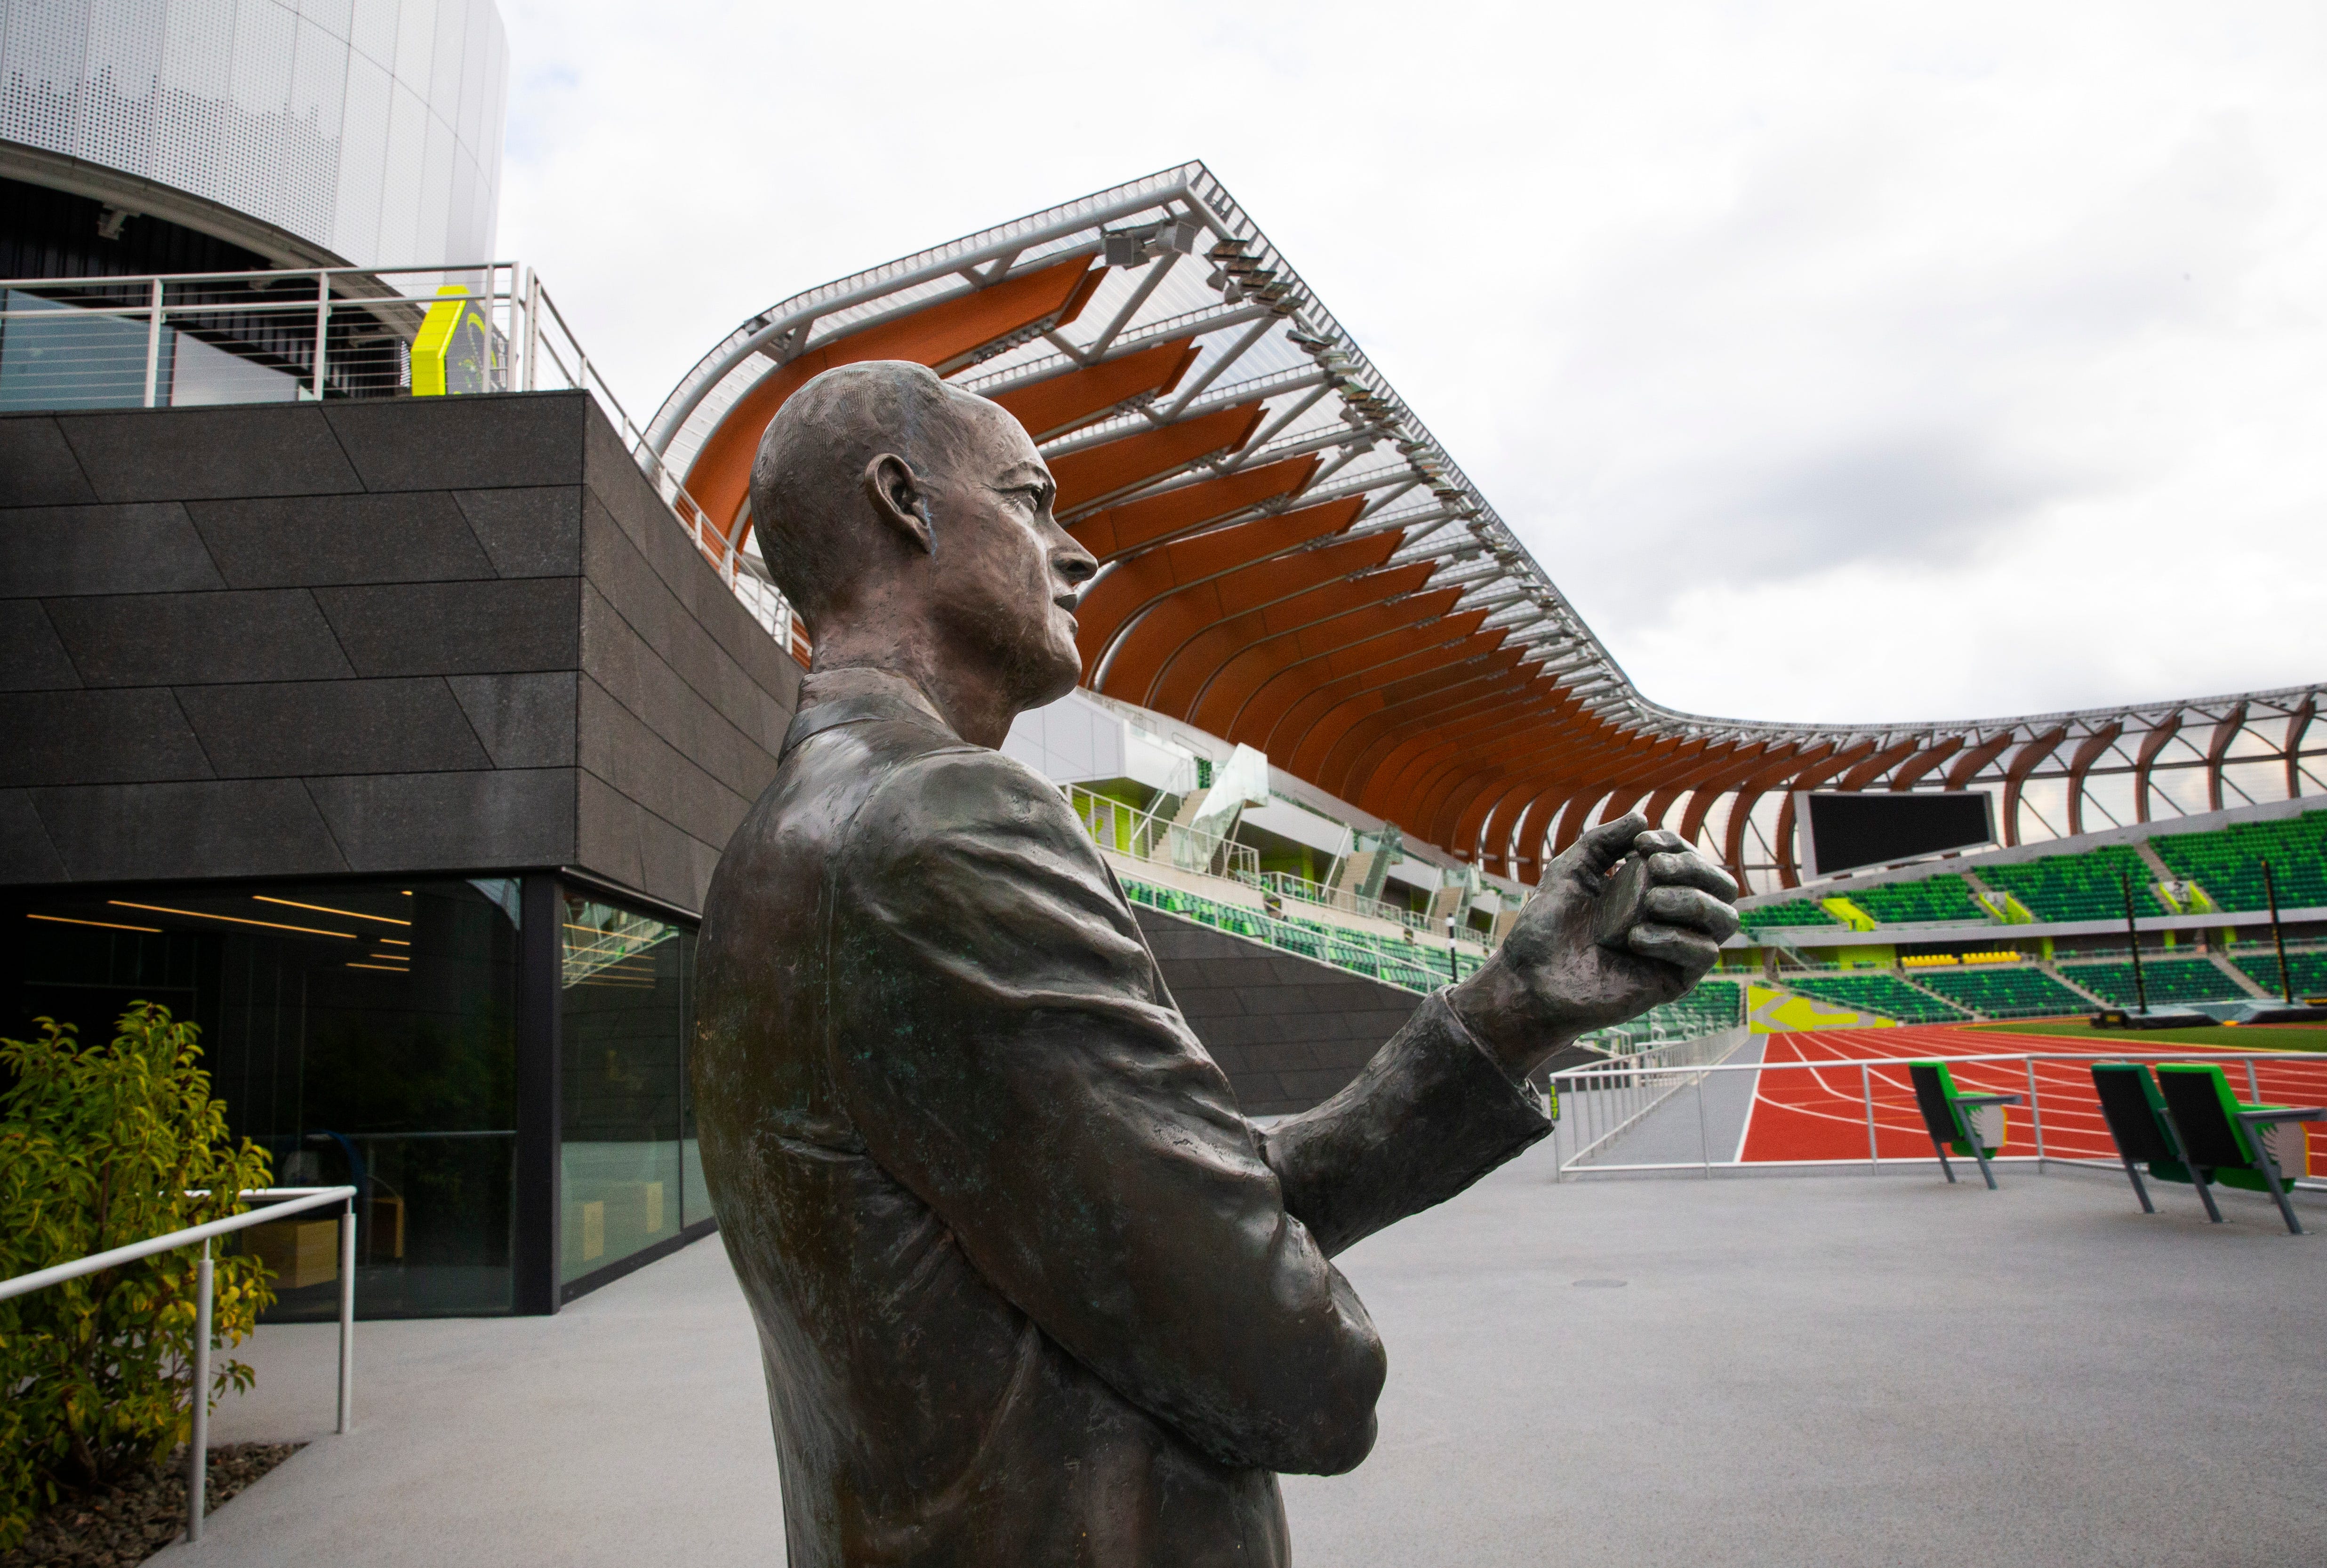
(1975, 992)
(1878, 990)
(2163, 980)
(2309, 970)
(2239, 977)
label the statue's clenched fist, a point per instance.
(1552, 980)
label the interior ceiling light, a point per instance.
(230, 919)
(106, 925)
(329, 910)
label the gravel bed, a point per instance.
(125, 1525)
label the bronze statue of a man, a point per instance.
(1031, 1292)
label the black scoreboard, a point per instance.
(1842, 831)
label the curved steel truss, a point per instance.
(1291, 559)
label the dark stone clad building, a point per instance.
(393, 743)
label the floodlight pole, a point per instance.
(2277, 934)
(2133, 941)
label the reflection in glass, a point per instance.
(363, 1032)
(625, 1008)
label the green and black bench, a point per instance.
(2232, 1143)
(2137, 1119)
(1972, 1123)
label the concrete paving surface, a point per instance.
(1700, 1120)
(1846, 1370)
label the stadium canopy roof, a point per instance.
(1292, 560)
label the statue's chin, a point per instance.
(1058, 679)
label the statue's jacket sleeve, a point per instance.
(1004, 1045)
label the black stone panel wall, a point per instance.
(1288, 1031)
(455, 634)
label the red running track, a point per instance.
(1819, 1113)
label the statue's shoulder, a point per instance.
(962, 788)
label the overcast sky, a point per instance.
(1837, 361)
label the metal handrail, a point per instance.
(1288, 885)
(1628, 1074)
(1124, 829)
(283, 1200)
(2297, 1058)
(1630, 1087)
(534, 349)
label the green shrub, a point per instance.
(99, 1147)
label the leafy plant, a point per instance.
(99, 1146)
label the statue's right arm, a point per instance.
(1001, 1045)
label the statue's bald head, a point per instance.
(807, 483)
(912, 525)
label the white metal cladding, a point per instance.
(370, 127)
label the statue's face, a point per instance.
(1007, 575)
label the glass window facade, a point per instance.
(629, 1176)
(55, 355)
(364, 1033)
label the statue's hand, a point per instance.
(1551, 981)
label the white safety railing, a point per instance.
(1602, 1102)
(181, 339)
(1284, 884)
(283, 1201)
(1611, 1098)
(1128, 831)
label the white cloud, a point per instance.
(1839, 361)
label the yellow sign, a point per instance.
(455, 350)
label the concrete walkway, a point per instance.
(1853, 1370)
(1679, 1131)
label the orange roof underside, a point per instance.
(1229, 604)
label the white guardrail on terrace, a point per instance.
(1615, 1097)
(1601, 1103)
(1284, 884)
(283, 1201)
(183, 340)
(1126, 830)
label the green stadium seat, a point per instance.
(2079, 887)
(2231, 1142)
(2164, 979)
(1955, 1119)
(1796, 912)
(2002, 990)
(1711, 1006)
(1877, 992)
(2308, 971)
(2227, 862)
(1417, 966)
(1932, 898)
(2136, 1113)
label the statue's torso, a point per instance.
(920, 1417)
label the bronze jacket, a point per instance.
(1029, 1289)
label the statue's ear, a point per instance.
(899, 499)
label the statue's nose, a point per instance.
(1078, 565)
